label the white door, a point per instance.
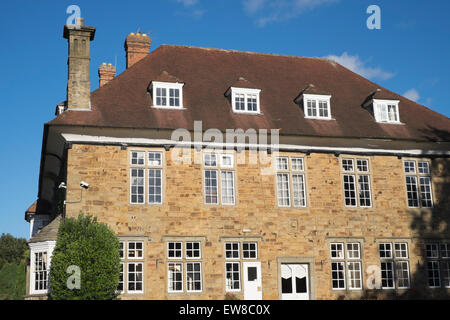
(294, 281)
(252, 281)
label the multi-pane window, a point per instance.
(184, 274)
(356, 182)
(290, 181)
(438, 264)
(233, 261)
(340, 262)
(40, 271)
(317, 107)
(394, 263)
(135, 277)
(386, 111)
(245, 100)
(418, 183)
(167, 95)
(219, 180)
(131, 279)
(150, 171)
(121, 278)
(135, 250)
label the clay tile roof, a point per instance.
(164, 76)
(32, 208)
(312, 89)
(241, 82)
(47, 233)
(208, 73)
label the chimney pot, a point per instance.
(136, 47)
(106, 72)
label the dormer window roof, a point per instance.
(315, 102)
(244, 97)
(384, 107)
(167, 92)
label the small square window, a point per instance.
(362, 165)
(193, 250)
(337, 250)
(174, 250)
(445, 250)
(135, 250)
(410, 167)
(155, 159)
(423, 167)
(347, 165)
(431, 250)
(282, 163)
(401, 250)
(385, 250)
(137, 158)
(210, 160)
(226, 161)
(249, 250)
(297, 164)
(232, 250)
(353, 251)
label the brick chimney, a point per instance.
(106, 72)
(137, 46)
(78, 85)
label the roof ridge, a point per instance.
(246, 52)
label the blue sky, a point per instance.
(408, 55)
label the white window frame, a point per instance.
(416, 175)
(378, 104)
(200, 271)
(199, 250)
(40, 247)
(317, 98)
(135, 250)
(175, 249)
(246, 92)
(355, 173)
(167, 86)
(219, 168)
(394, 259)
(232, 250)
(182, 277)
(256, 250)
(128, 278)
(238, 263)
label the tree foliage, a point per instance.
(94, 248)
(11, 249)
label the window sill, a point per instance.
(169, 108)
(319, 118)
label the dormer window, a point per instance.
(245, 100)
(315, 103)
(386, 111)
(317, 106)
(167, 95)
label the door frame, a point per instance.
(301, 260)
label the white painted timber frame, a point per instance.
(167, 85)
(377, 103)
(317, 98)
(245, 92)
(45, 246)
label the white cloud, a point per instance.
(412, 94)
(265, 11)
(188, 3)
(252, 6)
(355, 64)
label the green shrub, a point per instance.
(92, 247)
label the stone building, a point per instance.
(260, 175)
